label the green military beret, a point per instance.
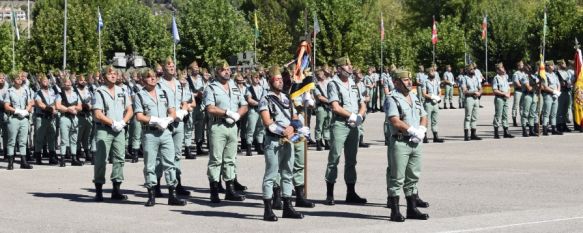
(549, 63)
(222, 64)
(401, 74)
(342, 61)
(274, 71)
(561, 62)
(427, 70)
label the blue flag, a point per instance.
(99, 21)
(175, 35)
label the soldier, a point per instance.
(200, 115)
(44, 115)
(349, 110)
(501, 89)
(565, 99)
(323, 113)
(481, 79)
(85, 119)
(370, 87)
(516, 82)
(276, 115)
(459, 81)
(431, 95)
(155, 108)
(530, 91)
(172, 85)
(255, 130)
(187, 120)
(571, 71)
(3, 122)
(408, 122)
(358, 77)
(449, 82)
(68, 103)
(192, 79)
(472, 89)
(374, 79)
(111, 110)
(225, 104)
(135, 127)
(242, 123)
(385, 86)
(17, 104)
(551, 89)
(420, 78)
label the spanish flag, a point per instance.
(578, 90)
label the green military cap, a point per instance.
(203, 70)
(274, 71)
(222, 64)
(427, 70)
(561, 62)
(549, 63)
(401, 74)
(342, 61)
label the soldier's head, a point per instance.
(81, 81)
(255, 78)
(448, 68)
(136, 76)
(470, 70)
(120, 78)
(402, 81)
(66, 83)
(500, 69)
(182, 77)
(562, 64)
(223, 70)
(109, 75)
(169, 68)
(239, 79)
(205, 74)
(194, 69)
(159, 70)
(43, 81)
(321, 74)
(520, 65)
(344, 67)
(2, 79)
(275, 79)
(17, 80)
(149, 79)
(550, 65)
(420, 68)
(571, 64)
(430, 72)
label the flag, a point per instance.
(175, 35)
(300, 83)
(578, 89)
(15, 25)
(256, 24)
(316, 25)
(382, 28)
(99, 21)
(434, 32)
(542, 73)
(485, 27)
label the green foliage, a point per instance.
(5, 47)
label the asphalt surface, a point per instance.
(494, 185)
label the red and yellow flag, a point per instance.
(578, 89)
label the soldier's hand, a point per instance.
(288, 132)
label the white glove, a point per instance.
(233, 115)
(352, 118)
(180, 114)
(423, 129)
(420, 132)
(308, 100)
(154, 121)
(164, 122)
(556, 92)
(19, 112)
(117, 126)
(359, 119)
(304, 131)
(229, 120)
(411, 131)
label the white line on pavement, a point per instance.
(512, 225)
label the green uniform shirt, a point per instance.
(472, 83)
(431, 86)
(177, 93)
(500, 82)
(71, 100)
(230, 99)
(50, 97)
(110, 105)
(17, 98)
(552, 81)
(448, 76)
(158, 107)
(348, 97)
(279, 115)
(411, 113)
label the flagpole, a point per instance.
(99, 36)
(28, 18)
(14, 43)
(173, 37)
(65, 39)
(486, 46)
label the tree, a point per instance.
(5, 47)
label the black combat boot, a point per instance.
(10, 163)
(53, 158)
(566, 128)
(412, 211)
(172, 199)
(396, 215)
(451, 106)
(221, 188)
(239, 186)
(231, 194)
(268, 214)
(524, 132)
(180, 190)
(199, 150)
(545, 130)
(45, 152)
(330, 194)
(289, 211)
(214, 186)
(135, 157)
(514, 122)
(151, 198)
(277, 202)
(157, 189)
(466, 138)
(326, 145)
(444, 105)
(62, 159)
(507, 134)
(425, 139)
(23, 163)
(361, 142)
(531, 131)
(554, 130)
(116, 192)
(352, 197)
(188, 153)
(436, 138)
(39, 158)
(259, 148)
(421, 203)
(473, 135)
(319, 145)
(248, 149)
(75, 159)
(536, 128)
(301, 200)
(98, 192)
(496, 135)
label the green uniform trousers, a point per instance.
(549, 110)
(223, 151)
(343, 139)
(322, 130)
(178, 138)
(373, 95)
(83, 136)
(17, 134)
(405, 167)
(461, 97)
(158, 156)
(448, 97)
(472, 105)
(188, 129)
(565, 102)
(279, 167)
(516, 105)
(529, 111)
(200, 119)
(500, 112)
(432, 114)
(45, 132)
(68, 126)
(135, 133)
(109, 143)
(4, 130)
(255, 129)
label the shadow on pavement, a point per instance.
(86, 198)
(219, 214)
(345, 215)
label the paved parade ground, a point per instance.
(493, 185)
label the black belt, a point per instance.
(269, 133)
(68, 115)
(84, 114)
(43, 115)
(401, 137)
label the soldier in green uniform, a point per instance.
(3, 122)
(448, 81)
(408, 122)
(358, 80)
(323, 114)
(370, 87)
(68, 103)
(155, 108)
(188, 120)
(516, 82)
(85, 119)
(420, 78)
(225, 105)
(192, 78)
(501, 89)
(135, 127)
(472, 89)
(277, 114)
(530, 91)
(200, 114)
(111, 110)
(44, 116)
(255, 130)
(459, 81)
(551, 89)
(349, 110)
(566, 97)
(432, 96)
(17, 104)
